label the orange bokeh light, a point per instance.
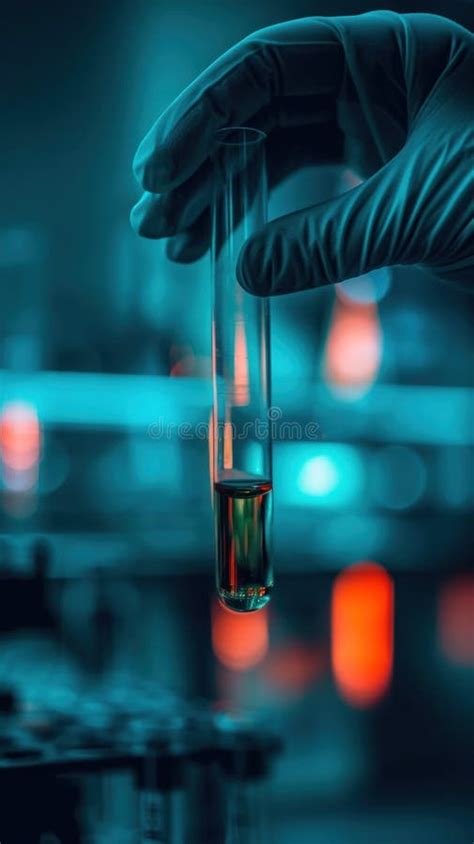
(362, 633)
(20, 436)
(456, 619)
(354, 345)
(241, 366)
(294, 667)
(239, 640)
(228, 445)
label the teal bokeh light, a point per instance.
(398, 477)
(319, 474)
(371, 287)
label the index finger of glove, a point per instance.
(295, 58)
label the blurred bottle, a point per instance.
(246, 758)
(161, 787)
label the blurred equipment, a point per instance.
(103, 772)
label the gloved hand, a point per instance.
(390, 95)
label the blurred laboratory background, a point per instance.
(133, 707)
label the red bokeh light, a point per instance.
(354, 345)
(239, 640)
(456, 619)
(362, 633)
(20, 436)
(294, 667)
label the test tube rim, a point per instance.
(255, 136)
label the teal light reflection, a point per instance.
(398, 477)
(371, 287)
(318, 474)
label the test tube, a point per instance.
(242, 476)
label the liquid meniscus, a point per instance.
(243, 517)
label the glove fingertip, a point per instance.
(138, 221)
(184, 249)
(154, 168)
(254, 273)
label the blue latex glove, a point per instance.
(391, 96)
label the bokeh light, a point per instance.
(362, 633)
(398, 477)
(241, 366)
(239, 640)
(294, 667)
(318, 474)
(20, 436)
(371, 287)
(456, 620)
(353, 349)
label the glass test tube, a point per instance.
(241, 375)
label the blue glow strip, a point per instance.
(123, 401)
(389, 412)
(401, 414)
